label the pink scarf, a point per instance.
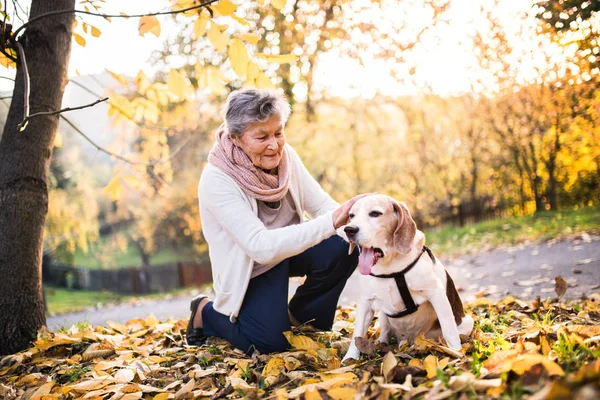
(254, 181)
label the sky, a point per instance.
(442, 65)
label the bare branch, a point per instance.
(120, 157)
(26, 93)
(58, 12)
(24, 123)
(117, 108)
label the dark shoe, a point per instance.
(195, 336)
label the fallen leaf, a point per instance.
(301, 342)
(387, 366)
(560, 286)
(274, 367)
(365, 346)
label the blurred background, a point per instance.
(481, 115)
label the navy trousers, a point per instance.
(264, 313)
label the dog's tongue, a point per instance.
(366, 260)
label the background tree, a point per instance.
(26, 148)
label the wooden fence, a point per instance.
(134, 280)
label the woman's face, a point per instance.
(263, 142)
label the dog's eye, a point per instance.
(350, 216)
(374, 214)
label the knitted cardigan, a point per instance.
(237, 238)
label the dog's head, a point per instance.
(382, 228)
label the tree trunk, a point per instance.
(24, 164)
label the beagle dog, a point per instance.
(400, 278)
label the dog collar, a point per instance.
(400, 278)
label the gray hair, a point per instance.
(246, 106)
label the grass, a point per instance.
(454, 241)
(61, 300)
(105, 254)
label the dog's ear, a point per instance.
(406, 228)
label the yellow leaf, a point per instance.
(301, 342)
(387, 366)
(200, 25)
(430, 365)
(224, 7)
(216, 37)
(584, 330)
(124, 375)
(98, 350)
(186, 389)
(342, 393)
(133, 182)
(161, 396)
(178, 85)
(149, 24)
(250, 37)
(263, 81)
(415, 362)
(251, 74)
(79, 39)
(278, 59)
(545, 346)
(96, 32)
(443, 363)
(7, 62)
(524, 362)
(43, 390)
(117, 327)
(273, 367)
(281, 394)
(278, 4)
(291, 363)
(114, 189)
(215, 80)
(122, 80)
(240, 20)
(142, 82)
(312, 394)
(238, 55)
(58, 140)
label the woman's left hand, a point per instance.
(340, 215)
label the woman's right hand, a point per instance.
(340, 215)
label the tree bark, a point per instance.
(24, 164)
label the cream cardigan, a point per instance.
(237, 238)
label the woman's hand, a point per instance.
(340, 216)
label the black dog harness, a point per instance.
(411, 307)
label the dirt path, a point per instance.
(524, 271)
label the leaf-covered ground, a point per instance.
(539, 349)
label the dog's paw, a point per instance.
(352, 354)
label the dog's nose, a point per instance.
(351, 231)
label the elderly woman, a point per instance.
(254, 194)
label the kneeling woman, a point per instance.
(254, 193)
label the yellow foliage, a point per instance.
(278, 4)
(278, 59)
(274, 367)
(80, 40)
(96, 32)
(200, 25)
(149, 24)
(238, 56)
(179, 85)
(250, 37)
(301, 342)
(224, 7)
(217, 37)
